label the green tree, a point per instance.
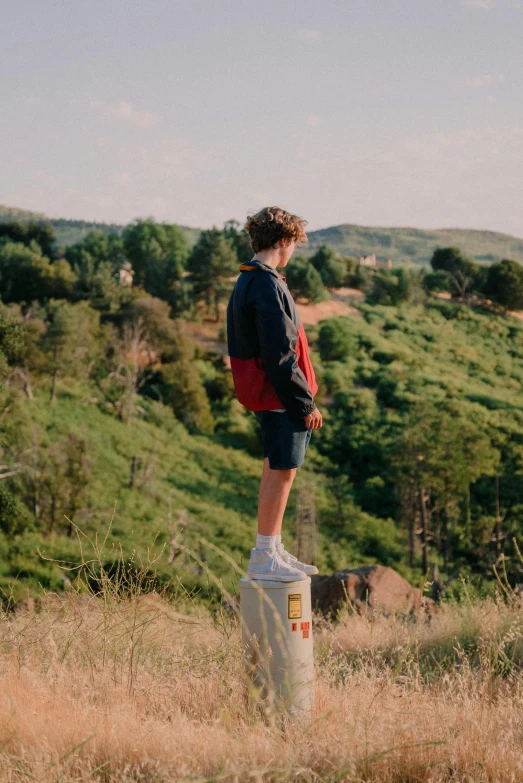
(13, 514)
(29, 234)
(332, 269)
(177, 381)
(336, 339)
(96, 262)
(240, 240)
(461, 271)
(355, 438)
(504, 284)
(26, 275)
(167, 342)
(97, 247)
(157, 252)
(305, 281)
(125, 367)
(185, 393)
(63, 482)
(212, 263)
(392, 287)
(69, 341)
(438, 455)
(436, 281)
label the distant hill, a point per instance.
(408, 246)
(13, 213)
(404, 246)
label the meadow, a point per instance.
(137, 688)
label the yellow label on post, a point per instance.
(294, 606)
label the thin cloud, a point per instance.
(481, 81)
(263, 198)
(172, 159)
(306, 34)
(122, 178)
(485, 4)
(313, 120)
(139, 118)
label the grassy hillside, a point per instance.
(438, 351)
(407, 246)
(213, 486)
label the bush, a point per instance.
(13, 514)
(436, 281)
(393, 287)
(463, 275)
(305, 281)
(332, 269)
(336, 340)
(185, 393)
(504, 284)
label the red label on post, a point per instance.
(305, 626)
(305, 634)
(295, 626)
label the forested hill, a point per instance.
(404, 246)
(69, 232)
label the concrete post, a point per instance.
(277, 639)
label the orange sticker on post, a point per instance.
(305, 626)
(305, 634)
(294, 626)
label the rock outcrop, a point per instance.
(372, 588)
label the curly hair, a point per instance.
(271, 224)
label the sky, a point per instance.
(386, 113)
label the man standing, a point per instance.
(274, 377)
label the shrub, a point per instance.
(504, 284)
(392, 287)
(305, 281)
(332, 269)
(13, 515)
(336, 340)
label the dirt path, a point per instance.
(340, 303)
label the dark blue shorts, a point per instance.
(285, 440)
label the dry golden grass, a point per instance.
(136, 689)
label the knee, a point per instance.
(286, 476)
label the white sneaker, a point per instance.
(268, 564)
(292, 561)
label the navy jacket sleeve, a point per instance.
(278, 338)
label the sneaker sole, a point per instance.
(273, 578)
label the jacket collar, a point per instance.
(255, 264)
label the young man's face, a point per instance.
(286, 251)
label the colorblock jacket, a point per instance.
(267, 344)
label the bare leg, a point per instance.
(275, 486)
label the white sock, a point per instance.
(266, 543)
